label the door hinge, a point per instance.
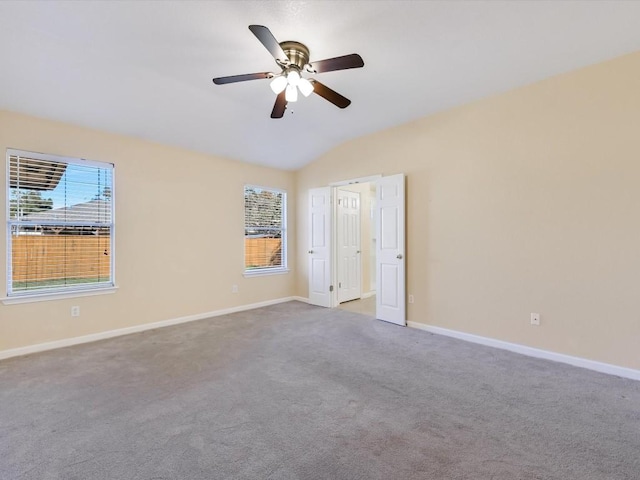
(331, 288)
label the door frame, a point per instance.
(334, 235)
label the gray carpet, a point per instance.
(299, 392)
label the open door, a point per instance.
(348, 245)
(390, 250)
(319, 251)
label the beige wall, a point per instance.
(179, 234)
(524, 202)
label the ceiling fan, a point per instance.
(293, 60)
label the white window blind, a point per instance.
(60, 224)
(264, 229)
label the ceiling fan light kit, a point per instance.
(293, 60)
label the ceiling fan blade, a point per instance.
(338, 63)
(269, 41)
(331, 95)
(241, 78)
(280, 106)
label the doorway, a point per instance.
(355, 261)
(388, 226)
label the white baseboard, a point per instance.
(368, 294)
(532, 352)
(301, 299)
(67, 342)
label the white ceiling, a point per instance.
(144, 68)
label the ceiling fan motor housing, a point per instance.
(297, 53)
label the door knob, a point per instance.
(357, 251)
(310, 251)
(399, 256)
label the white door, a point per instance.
(390, 250)
(348, 244)
(319, 251)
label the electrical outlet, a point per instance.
(234, 288)
(410, 298)
(75, 311)
(535, 319)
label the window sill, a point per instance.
(262, 272)
(44, 297)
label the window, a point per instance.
(60, 224)
(264, 230)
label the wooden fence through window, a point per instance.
(44, 258)
(262, 252)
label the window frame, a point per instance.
(52, 293)
(260, 271)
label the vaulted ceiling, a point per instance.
(144, 68)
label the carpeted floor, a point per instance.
(299, 392)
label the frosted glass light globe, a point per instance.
(305, 86)
(293, 77)
(278, 84)
(292, 94)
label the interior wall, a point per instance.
(519, 203)
(179, 234)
